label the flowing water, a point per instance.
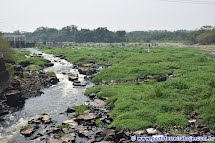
(55, 100)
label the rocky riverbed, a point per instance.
(21, 85)
(63, 114)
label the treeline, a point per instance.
(72, 34)
(205, 35)
(159, 35)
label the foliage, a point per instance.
(72, 34)
(206, 37)
(98, 122)
(38, 63)
(81, 109)
(5, 49)
(159, 35)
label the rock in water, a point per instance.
(71, 123)
(73, 78)
(27, 131)
(45, 119)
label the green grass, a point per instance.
(38, 63)
(81, 109)
(63, 126)
(164, 104)
(98, 122)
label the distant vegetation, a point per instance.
(5, 49)
(137, 105)
(72, 34)
(205, 35)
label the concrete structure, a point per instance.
(16, 41)
(19, 41)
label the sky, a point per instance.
(129, 15)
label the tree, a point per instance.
(5, 49)
(207, 37)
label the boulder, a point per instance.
(70, 110)
(45, 119)
(18, 68)
(73, 78)
(71, 123)
(97, 103)
(87, 70)
(152, 131)
(83, 131)
(25, 63)
(140, 132)
(162, 78)
(53, 80)
(109, 135)
(192, 121)
(14, 98)
(27, 131)
(69, 138)
(86, 118)
(92, 95)
(78, 83)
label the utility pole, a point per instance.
(148, 48)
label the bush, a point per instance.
(5, 49)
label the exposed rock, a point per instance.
(53, 130)
(25, 63)
(192, 121)
(109, 135)
(78, 83)
(49, 64)
(45, 119)
(194, 134)
(14, 98)
(83, 131)
(27, 131)
(18, 68)
(162, 78)
(69, 138)
(51, 140)
(205, 129)
(97, 103)
(140, 132)
(87, 117)
(70, 110)
(86, 70)
(71, 123)
(92, 95)
(73, 78)
(53, 80)
(152, 131)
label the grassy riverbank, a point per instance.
(140, 105)
(18, 56)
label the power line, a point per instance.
(190, 2)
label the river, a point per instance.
(55, 100)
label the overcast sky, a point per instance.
(130, 15)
